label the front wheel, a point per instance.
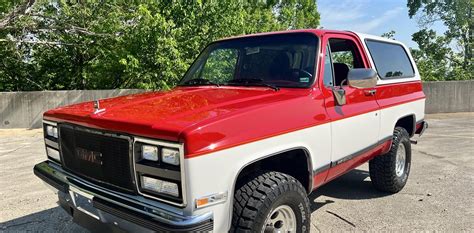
(389, 172)
(271, 202)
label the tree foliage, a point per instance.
(389, 35)
(449, 56)
(98, 44)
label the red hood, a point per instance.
(166, 115)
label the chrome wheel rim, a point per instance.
(281, 219)
(400, 160)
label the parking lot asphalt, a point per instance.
(439, 195)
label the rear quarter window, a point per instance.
(391, 60)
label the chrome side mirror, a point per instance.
(362, 78)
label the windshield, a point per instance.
(285, 60)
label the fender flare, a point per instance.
(310, 172)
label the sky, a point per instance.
(372, 17)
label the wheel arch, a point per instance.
(240, 172)
(408, 122)
(300, 151)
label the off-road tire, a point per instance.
(383, 167)
(256, 199)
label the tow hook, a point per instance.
(414, 142)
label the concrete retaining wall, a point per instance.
(25, 109)
(449, 96)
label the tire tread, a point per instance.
(251, 196)
(381, 168)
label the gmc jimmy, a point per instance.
(256, 124)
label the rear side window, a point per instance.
(391, 60)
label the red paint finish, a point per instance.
(398, 93)
(340, 169)
(296, 110)
(207, 118)
(357, 100)
(319, 179)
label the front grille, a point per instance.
(98, 157)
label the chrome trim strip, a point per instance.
(51, 144)
(424, 126)
(159, 172)
(360, 152)
(180, 147)
(50, 122)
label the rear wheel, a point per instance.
(389, 172)
(271, 202)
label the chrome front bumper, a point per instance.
(114, 211)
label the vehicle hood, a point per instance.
(166, 114)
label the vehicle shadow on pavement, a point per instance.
(355, 185)
(50, 220)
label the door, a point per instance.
(355, 124)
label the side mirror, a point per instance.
(362, 78)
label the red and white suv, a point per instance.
(256, 124)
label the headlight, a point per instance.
(53, 153)
(150, 153)
(170, 156)
(158, 168)
(52, 131)
(159, 186)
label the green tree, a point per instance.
(100, 44)
(432, 55)
(389, 35)
(436, 58)
(456, 15)
(11, 9)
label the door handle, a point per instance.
(371, 92)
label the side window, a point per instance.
(345, 56)
(220, 65)
(328, 74)
(391, 60)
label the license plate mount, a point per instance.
(83, 202)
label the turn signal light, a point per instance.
(211, 200)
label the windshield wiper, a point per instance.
(252, 82)
(199, 81)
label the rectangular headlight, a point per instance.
(53, 153)
(159, 186)
(52, 131)
(170, 156)
(150, 153)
